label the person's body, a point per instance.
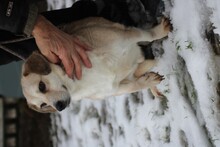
(53, 43)
(22, 18)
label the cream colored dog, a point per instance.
(118, 63)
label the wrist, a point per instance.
(41, 26)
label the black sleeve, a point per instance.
(17, 16)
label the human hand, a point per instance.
(57, 45)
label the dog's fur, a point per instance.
(118, 66)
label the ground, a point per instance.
(188, 115)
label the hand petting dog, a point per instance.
(119, 64)
(57, 45)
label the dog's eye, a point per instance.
(43, 105)
(42, 87)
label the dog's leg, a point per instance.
(160, 30)
(148, 80)
(144, 67)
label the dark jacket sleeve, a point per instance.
(18, 16)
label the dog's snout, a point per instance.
(60, 105)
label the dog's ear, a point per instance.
(36, 63)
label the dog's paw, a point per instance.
(156, 92)
(162, 29)
(150, 79)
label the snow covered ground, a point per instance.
(189, 113)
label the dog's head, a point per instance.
(43, 86)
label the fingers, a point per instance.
(52, 57)
(81, 49)
(72, 64)
(85, 59)
(78, 69)
(81, 55)
(68, 65)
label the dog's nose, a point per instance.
(60, 105)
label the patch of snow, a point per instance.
(57, 4)
(215, 16)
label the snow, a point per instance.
(57, 4)
(189, 113)
(215, 18)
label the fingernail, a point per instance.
(90, 65)
(79, 77)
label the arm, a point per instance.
(18, 16)
(21, 18)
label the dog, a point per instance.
(119, 66)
